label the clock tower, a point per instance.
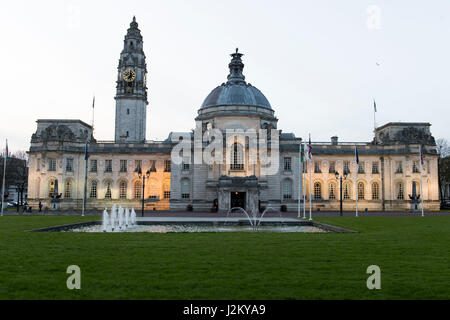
(131, 89)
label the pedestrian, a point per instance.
(40, 206)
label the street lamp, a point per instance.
(339, 178)
(142, 176)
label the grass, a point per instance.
(412, 252)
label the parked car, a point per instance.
(445, 204)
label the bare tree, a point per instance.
(442, 147)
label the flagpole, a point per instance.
(300, 186)
(356, 179)
(310, 182)
(4, 174)
(85, 180)
(421, 178)
(304, 184)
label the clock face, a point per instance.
(129, 75)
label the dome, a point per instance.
(236, 94)
(236, 91)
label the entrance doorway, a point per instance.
(238, 199)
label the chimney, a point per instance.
(334, 140)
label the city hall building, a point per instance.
(388, 174)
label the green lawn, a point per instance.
(412, 252)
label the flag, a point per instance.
(356, 155)
(93, 102)
(302, 153)
(6, 152)
(309, 148)
(374, 106)
(86, 152)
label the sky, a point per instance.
(320, 63)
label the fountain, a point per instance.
(127, 217)
(105, 220)
(120, 217)
(113, 217)
(254, 219)
(133, 217)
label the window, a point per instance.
(375, 191)
(166, 194)
(360, 191)
(67, 191)
(167, 166)
(51, 164)
(108, 165)
(51, 189)
(93, 165)
(123, 165)
(186, 166)
(69, 165)
(375, 167)
(317, 190)
(361, 167)
(399, 167)
(166, 189)
(93, 190)
(138, 190)
(237, 157)
(317, 167)
(38, 164)
(123, 190)
(346, 166)
(152, 166)
(287, 164)
(428, 166)
(128, 111)
(108, 190)
(415, 167)
(185, 189)
(347, 191)
(400, 191)
(138, 165)
(332, 168)
(287, 189)
(332, 191)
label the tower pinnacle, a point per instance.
(236, 67)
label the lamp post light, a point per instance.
(143, 176)
(339, 178)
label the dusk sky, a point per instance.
(319, 63)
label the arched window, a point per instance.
(287, 189)
(332, 191)
(138, 190)
(93, 190)
(347, 191)
(375, 191)
(185, 189)
(360, 191)
(51, 188)
(123, 190)
(317, 190)
(237, 157)
(399, 189)
(67, 189)
(108, 190)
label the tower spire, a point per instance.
(236, 67)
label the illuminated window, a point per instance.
(287, 189)
(317, 190)
(93, 190)
(332, 191)
(51, 191)
(138, 190)
(123, 190)
(360, 191)
(375, 191)
(67, 190)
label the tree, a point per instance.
(16, 171)
(443, 150)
